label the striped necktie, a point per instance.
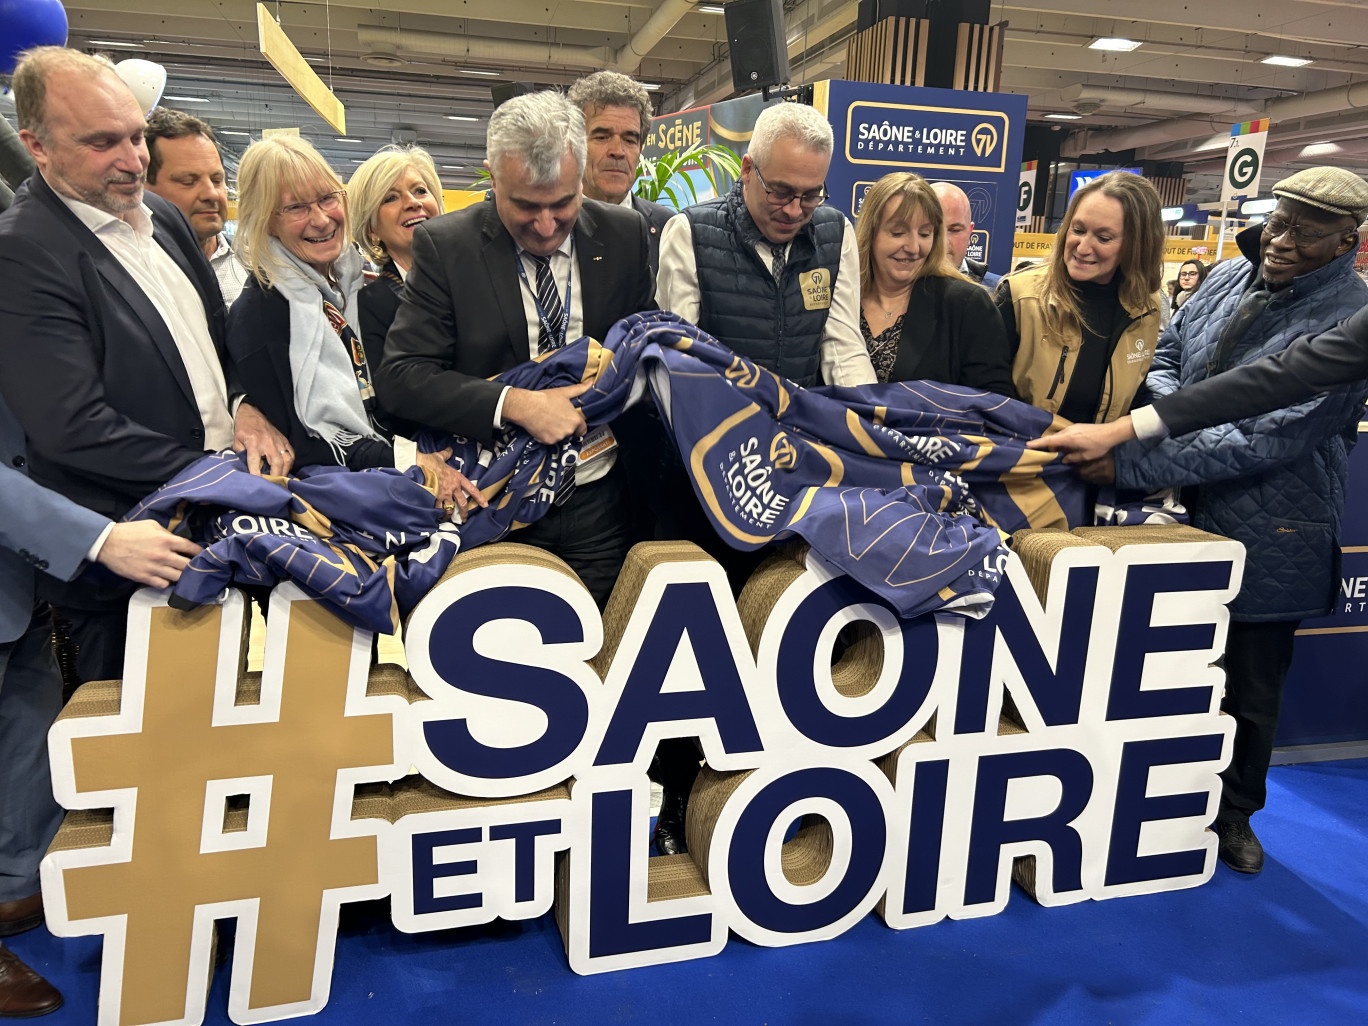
(551, 336)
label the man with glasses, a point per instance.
(768, 269)
(1274, 482)
(111, 326)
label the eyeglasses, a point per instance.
(1187, 274)
(782, 197)
(1300, 234)
(327, 203)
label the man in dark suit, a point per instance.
(617, 121)
(498, 283)
(959, 229)
(111, 324)
(42, 533)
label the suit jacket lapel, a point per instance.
(590, 255)
(121, 282)
(500, 255)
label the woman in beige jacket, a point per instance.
(1083, 324)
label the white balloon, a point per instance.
(145, 79)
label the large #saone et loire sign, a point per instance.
(1070, 739)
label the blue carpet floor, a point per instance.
(1287, 946)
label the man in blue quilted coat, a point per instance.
(1275, 482)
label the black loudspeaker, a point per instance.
(755, 33)
(502, 92)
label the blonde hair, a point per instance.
(373, 180)
(909, 193)
(268, 168)
(1141, 264)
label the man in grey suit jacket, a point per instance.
(42, 532)
(500, 282)
(617, 122)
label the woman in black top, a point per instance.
(290, 332)
(922, 318)
(390, 195)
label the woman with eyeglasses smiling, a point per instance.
(293, 331)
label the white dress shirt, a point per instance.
(845, 360)
(176, 300)
(1147, 423)
(230, 271)
(564, 272)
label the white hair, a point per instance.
(537, 129)
(805, 125)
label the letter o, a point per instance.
(859, 833)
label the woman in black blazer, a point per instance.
(922, 318)
(389, 195)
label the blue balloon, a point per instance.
(26, 23)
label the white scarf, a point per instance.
(326, 398)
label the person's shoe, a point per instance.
(20, 915)
(669, 831)
(1239, 848)
(23, 993)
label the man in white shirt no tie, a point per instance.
(186, 169)
(111, 325)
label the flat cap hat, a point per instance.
(1328, 188)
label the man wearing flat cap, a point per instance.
(1274, 482)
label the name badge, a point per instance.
(816, 288)
(596, 443)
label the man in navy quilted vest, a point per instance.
(769, 269)
(1275, 482)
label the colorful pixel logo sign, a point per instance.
(1069, 740)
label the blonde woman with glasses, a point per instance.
(293, 331)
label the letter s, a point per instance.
(502, 651)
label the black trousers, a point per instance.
(99, 636)
(1257, 658)
(590, 532)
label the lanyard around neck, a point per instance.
(536, 300)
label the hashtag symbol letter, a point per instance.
(186, 736)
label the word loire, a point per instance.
(918, 766)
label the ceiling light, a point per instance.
(453, 167)
(710, 9)
(1285, 62)
(345, 138)
(1116, 43)
(117, 42)
(186, 99)
(476, 71)
(1061, 116)
(650, 86)
(460, 117)
(1187, 224)
(359, 160)
(229, 131)
(317, 60)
